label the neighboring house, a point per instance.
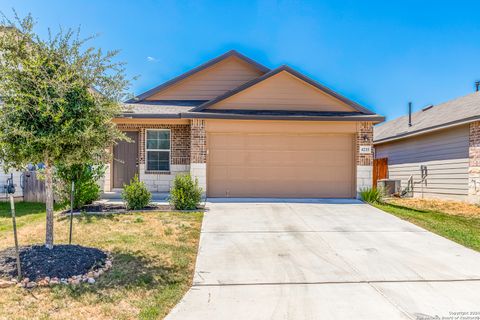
(446, 139)
(246, 131)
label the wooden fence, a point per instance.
(33, 188)
(380, 170)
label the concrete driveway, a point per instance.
(325, 259)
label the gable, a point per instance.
(283, 91)
(211, 82)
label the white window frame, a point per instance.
(169, 150)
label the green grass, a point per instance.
(153, 261)
(25, 212)
(463, 230)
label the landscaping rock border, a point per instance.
(90, 278)
(43, 267)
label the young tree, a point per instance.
(59, 99)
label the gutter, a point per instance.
(428, 130)
(206, 115)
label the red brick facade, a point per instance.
(364, 138)
(180, 137)
(198, 150)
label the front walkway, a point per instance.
(324, 260)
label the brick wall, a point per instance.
(474, 148)
(180, 136)
(364, 138)
(198, 150)
(364, 168)
(474, 163)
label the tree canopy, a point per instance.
(58, 97)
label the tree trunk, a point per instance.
(49, 205)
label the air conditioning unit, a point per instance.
(390, 186)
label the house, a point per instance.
(246, 131)
(445, 139)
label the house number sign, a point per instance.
(365, 149)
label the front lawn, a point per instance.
(460, 228)
(153, 261)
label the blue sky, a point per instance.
(381, 54)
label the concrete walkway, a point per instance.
(325, 259)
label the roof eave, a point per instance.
(149, 115)
(206, 115)
(427, 130)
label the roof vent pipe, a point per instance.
(409, 114)
(477, 85)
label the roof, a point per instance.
(198, 69)
(185, 109)
(295, 73)
(159, 108)
(140, 108)
(455, 112)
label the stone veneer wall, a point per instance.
(160, 181)
(198, 152)
(364, 162)
(474, 163)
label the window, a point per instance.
(158, 150)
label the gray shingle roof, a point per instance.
(159, 109)
(463, 109)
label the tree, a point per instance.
(59, 99)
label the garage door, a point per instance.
(264, 164)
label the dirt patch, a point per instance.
(63, 261)
(446, 206)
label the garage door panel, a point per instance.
(280, 165)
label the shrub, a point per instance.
(136, 194)
(372, 195)
(185, 193)
(85, 177)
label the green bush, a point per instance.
(372, 195)
(136, 194)
(185, 193)
(85, 177)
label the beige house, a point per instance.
(445, 140)
(246, 131)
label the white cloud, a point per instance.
(151, 59)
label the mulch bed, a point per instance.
(113, 208)
(63, 261)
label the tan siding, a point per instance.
(283, 91)
(211, 82)
(445, 153)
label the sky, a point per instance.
(381, 54)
